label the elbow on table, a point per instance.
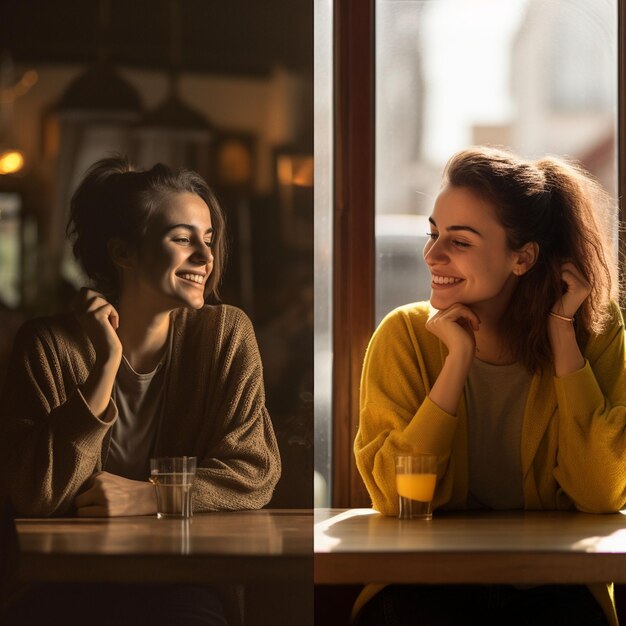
(386, 508)
(602, 501)
(382, 503)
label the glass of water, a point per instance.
(173, 480)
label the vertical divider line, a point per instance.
(353, 227)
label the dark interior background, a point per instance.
(224, 88)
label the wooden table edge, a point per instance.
(468, 568)
(159, 568)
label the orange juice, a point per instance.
(416, 478)
(420, 487)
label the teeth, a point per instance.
(196, 278)
(445, 280)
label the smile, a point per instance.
(194, 278)
(445, 280)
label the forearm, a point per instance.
(98, 388)
(591, 445)
(447, 389)
(567, 355)
(384, 432)
(237, 483)
(48, 458)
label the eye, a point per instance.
(209, 244)
(432, 236)
(461, 244)
(183, 240)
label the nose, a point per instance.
(435, 252)
(202, 253)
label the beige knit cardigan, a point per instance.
(214, 409)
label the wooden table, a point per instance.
(360, 546)
(237, 547)
(265, 558)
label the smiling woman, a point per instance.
(176, 258)
(142, 368)
(513, 374)
(93, 395)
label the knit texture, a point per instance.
(573, 444)
(51, 443)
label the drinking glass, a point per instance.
(173, 480)
(416, 477)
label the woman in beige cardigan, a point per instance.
(142, 367)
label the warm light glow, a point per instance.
(285, 170)
(304, 173)
(23, 86)
(11, 161)
(322, 541)
(295, 170)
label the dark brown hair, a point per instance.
(116, 201)
(559, 206)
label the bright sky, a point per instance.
(466, 59)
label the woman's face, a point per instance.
(174, 261)
(468, 256)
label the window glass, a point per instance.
(10, 249)
(536, 76)
(323, 242)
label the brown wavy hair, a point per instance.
(114, 200)
(558, 205)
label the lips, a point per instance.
(445, 280)
(194, 278)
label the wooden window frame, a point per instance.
(353, 223)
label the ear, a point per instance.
(121, 253)
(525, 258)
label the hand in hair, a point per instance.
(109, 495)
(577, 290)
(99, 320)
(568, 357)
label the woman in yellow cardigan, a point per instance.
(514, 375)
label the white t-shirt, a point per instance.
(139, 399)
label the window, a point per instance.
(448, 73)
(10, 249)
(538, 77)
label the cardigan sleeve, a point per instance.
(50, 441)
(591, 460)
(396, 414)
(241, 466)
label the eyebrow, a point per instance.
(456, 227)
(208, 231)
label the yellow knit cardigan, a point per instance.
(573, 447)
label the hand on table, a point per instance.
(109, 495)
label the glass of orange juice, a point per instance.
(416, 477)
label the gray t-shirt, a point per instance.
(139, 398)
(496, 398)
